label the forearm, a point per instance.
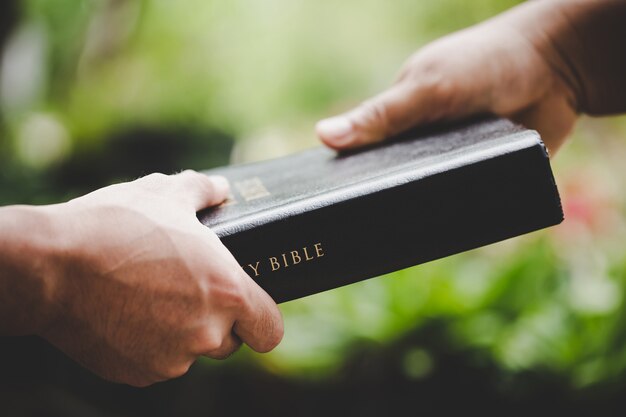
(582, 40)
(27, 281)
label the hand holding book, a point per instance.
(539, 64)
(126, 281)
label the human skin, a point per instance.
(540, 64)
(127, 281)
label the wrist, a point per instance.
(579, 40)
(31, 247)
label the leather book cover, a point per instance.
(318, 219)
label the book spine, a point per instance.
(411, 223)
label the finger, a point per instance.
(199, 190)
(404, 105)
(259, 324)
(253, 315)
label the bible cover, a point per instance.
(318, 219)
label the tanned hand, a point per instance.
(128, 282)
(540, 64)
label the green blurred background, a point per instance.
(95, 92)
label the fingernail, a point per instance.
(220, 183)
(334, 128)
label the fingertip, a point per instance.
(279, 333)
(276, 330)
(261, 327)
(274, 334)
(200, 190)
(220, 185)
(336, 132)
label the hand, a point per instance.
(508, 66)
(141, 288)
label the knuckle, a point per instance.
(209, 342)
(235, 298)
(374, 113)
(443, 93)
(154, 181)
(435, 77)
(198, 180)
(217, 346)
(432, 83)
(175, 370)
(231, 292)
(224, 352)
(156, 177)
(429, 60)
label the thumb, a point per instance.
(200, 190)
(389, 113)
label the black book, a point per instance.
(318, 219)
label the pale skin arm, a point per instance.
(127, 282)
(540, 64)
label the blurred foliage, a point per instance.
(94, 92)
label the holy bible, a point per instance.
(318, 219)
